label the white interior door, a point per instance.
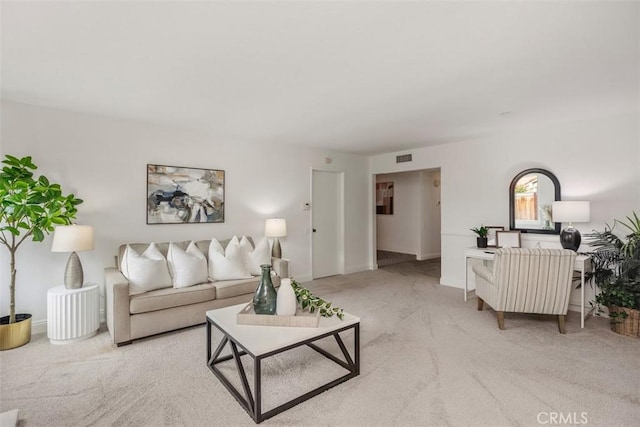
(327, 242)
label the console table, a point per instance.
(72, 314)
(582, 265)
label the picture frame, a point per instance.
(508, 239)
(384, 198)
(184, 195)
(491, 235)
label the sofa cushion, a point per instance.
(233, 288)
(203, 245)
(171, 297)
(254, 258)
(188, 267)
(227, 264)
(146, 271)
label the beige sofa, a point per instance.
(130, 317)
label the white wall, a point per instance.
(594, 160)
(103, 161)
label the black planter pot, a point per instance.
(482, 242)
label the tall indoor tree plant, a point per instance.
(29, 208)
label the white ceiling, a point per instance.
(364, 77)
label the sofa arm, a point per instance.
(280, 266)
(117, 299)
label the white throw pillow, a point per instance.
(227, 264)
(254, 258)
(188, 267)
(145, 272)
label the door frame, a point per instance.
(341, 219)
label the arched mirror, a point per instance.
(531, 196)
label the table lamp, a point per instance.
(73, 238)
(571, 211)
(275, 227)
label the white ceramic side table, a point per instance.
(72, 314)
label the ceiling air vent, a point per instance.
(403, 158)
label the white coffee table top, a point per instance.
(259, 340)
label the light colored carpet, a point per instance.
(428, 358)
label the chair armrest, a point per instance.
(117, 299)
(484, 273)
(280, 266)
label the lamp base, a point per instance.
(570, 238)
(73, 275)
(276, 251)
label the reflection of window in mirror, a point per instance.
(526, 198)
(534, 195)
(384, 198)
(531, 196)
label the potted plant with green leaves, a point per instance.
(616, 271)
(29, 208)
(482, 233)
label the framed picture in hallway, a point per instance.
(384, 198)
(180, 195)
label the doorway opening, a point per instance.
(407, 219)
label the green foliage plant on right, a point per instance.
(311, 303)
(616, 266)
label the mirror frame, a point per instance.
(512, 187)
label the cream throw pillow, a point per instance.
(145, 272)
(227, 264)
(188, 267)
(254, 258)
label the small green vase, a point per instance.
(265, 298)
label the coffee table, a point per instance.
(261, 342)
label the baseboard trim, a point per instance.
(449, 283)
(303, 277)
(38, 327)
(357, 268)
(424, 257)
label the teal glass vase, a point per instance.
(265, 298)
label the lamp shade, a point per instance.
(571, 211)
(72, 238)
(275, 227)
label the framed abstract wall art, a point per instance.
(179, 195)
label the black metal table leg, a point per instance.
(252, 402)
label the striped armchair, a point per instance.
(527, 281)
